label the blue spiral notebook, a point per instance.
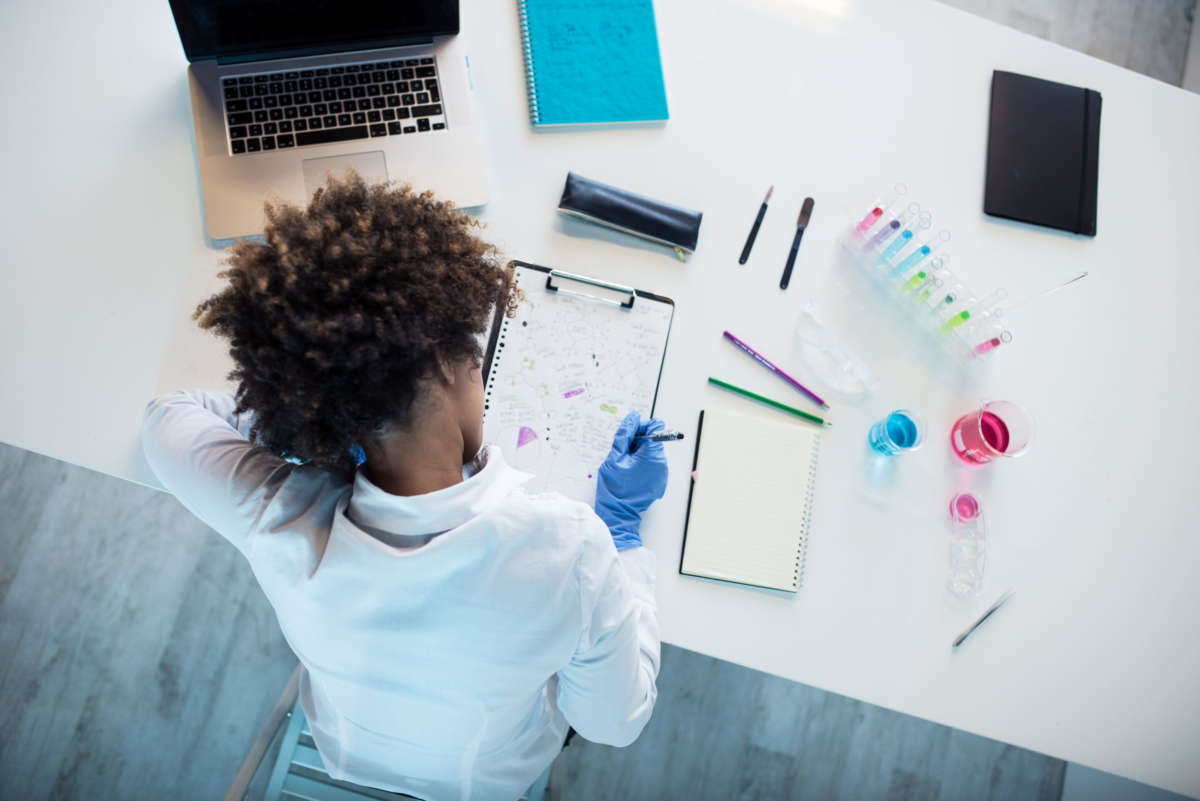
(592, 62)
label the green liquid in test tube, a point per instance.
(911, 284)
(956, 321)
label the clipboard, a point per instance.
(561, 375)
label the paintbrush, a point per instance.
(801, 223)
(762, 210)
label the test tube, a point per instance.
(983, 323)
(933, 280)
(984, 307)
(962, 300)
(868, 220)
(878, 207)
(991, 343)
(944, 301)
(924, 249)
(899, 242)
(956, 320)
(917, 279)
(923, 221)
(892, 226)
(926, 289)
(884, 232)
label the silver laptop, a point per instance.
(282, 94)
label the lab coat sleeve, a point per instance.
(198, 448)
(607, 692)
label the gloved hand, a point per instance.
(632, 477)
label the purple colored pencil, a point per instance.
(758, 357)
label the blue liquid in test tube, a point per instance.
(896, 245)
(913, 259)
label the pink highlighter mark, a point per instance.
(525, 436)
(573, 393)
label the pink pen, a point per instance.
(758, 357)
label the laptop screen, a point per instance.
(249, 29)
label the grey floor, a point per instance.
(1147, 36)
(141, 659)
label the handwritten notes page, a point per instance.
(566, 370)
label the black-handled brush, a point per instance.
(802, 223)
(762, 210)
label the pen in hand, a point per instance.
(661, 436)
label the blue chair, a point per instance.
(299, 774)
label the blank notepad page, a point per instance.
(751, 501)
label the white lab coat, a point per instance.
(449, 638)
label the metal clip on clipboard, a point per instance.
(625, 290)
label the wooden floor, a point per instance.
(139, 655)
(720, 731)
(140, 660)
(1147, 36)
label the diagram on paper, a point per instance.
(565, 373)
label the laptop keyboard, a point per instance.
(280, 110)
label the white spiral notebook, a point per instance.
(561, 375)
(750, 505)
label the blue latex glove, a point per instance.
(632, 477)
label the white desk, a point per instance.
(1096, 658)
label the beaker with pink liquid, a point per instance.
(997, 428)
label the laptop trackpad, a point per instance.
(371, 166)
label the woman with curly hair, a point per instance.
(451, 627)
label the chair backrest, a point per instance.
(300, 773)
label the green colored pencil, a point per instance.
(812, 418)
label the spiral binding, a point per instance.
(494, 370)
(530, 76)
(802, 554)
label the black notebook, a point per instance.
(1043, 153)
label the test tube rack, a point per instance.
(894, 247)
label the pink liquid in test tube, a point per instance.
(989, 344)
(869, 220)
(993, 343)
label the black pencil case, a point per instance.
(634, 214)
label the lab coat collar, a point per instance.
(486, 481)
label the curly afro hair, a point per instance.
(336, 320)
